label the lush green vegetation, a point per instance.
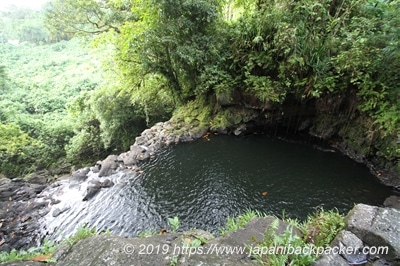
(209, 51)
(44, 252)
(138, 61)
(318, 231)
(159, 56)
(174, 223)
(234, 223)
(62, 102)
(81, 233)
(40, 83)
(23, 24)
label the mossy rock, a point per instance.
(220, 122)
(225, 98)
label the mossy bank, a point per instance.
(331, 120)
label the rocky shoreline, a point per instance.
(24, 202)
(369, 238)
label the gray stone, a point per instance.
(242, 239)
(108, 165)
(58, 211)
(254, 231)
(143, 156)
(367, 227)
(392, 202)
(304, 125)
(106, 183)
(239, 130)
(19, 215)
(137, 149)
(198, 132)
(136, 154)
(114, 250)
(18, 189)
(91, 191)
(4, 181)
(348, 239)
(94, 186)
(127, 158)
(80, 174)
(96, 167)
(39, 177)
(166, 248)
(140, 140)
(354, 255)
(377, 227)
(331, 260)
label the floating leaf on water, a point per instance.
(265, 193)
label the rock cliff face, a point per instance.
(332, 119)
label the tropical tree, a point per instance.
(16, 149)
(174, 39)
(3, 78)
(68, 18)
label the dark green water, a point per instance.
(206, 181)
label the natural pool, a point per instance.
(205, 182)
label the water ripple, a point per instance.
(204, 183)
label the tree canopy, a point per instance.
(162, 54)
(275, 50)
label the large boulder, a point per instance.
(392, 202)
(108, 166)
(80, 175)
(376, 227)
(94, 186)
(115, 250)
(235, 248)
(346, 248)
(372, 234)
(171, 248)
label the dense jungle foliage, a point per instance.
(162, 54)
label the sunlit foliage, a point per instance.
(160, 55)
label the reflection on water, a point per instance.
(205, 182)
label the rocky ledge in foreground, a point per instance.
(366, 226)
